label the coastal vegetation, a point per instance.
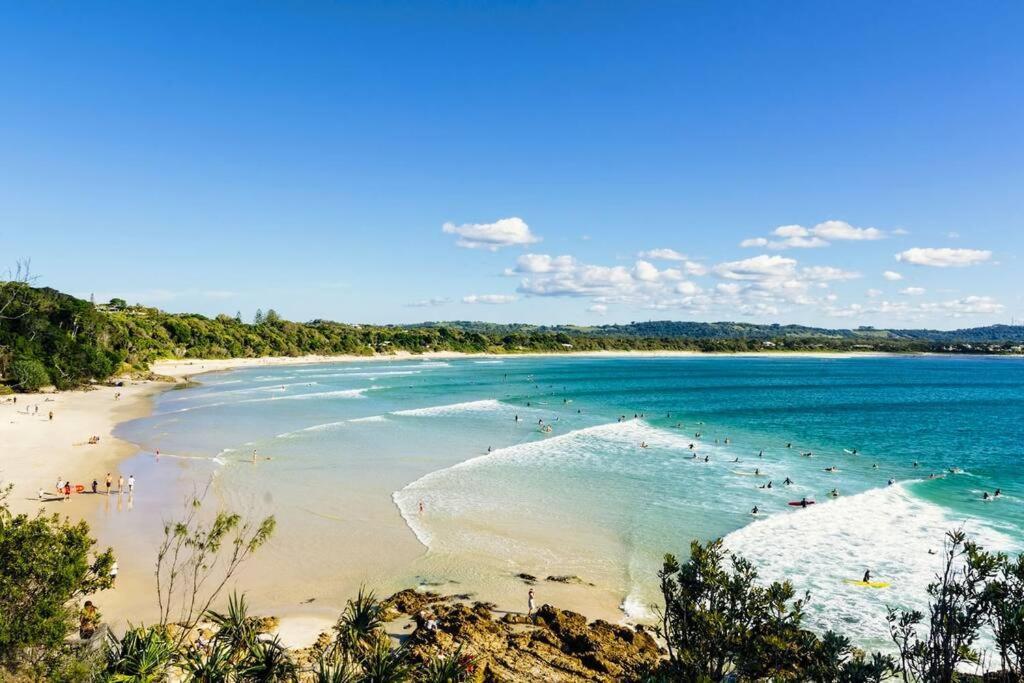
(718, 621)
(51, 338)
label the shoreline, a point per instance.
(181, 369)
(44, 450)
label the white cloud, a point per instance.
(944, 257)
(892, 276)
(828, 274)
(821, 235)
(600, 309)
(506, 232)
(873, 293)
(428, 303)
(663, 255)
(912, 291)
(790, 231)
(542, 263)
(841, 230)
(754, 242)
(756, 268)
(488, 299)
(900, 231)
(969, 305)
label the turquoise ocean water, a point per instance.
(356, 448)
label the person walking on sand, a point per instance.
(67, 490)
(120, 484)
(95, 485)
(108, 483)
(131, 484)
(531, 605)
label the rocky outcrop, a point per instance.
(551, 645)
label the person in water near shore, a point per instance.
(760, 453)
(891, 482)
(108, 483)
(985, 496)
(803, 502)
(867, 576)
(754, 511)
(131, 484)
(998, 493)
(787, 481)
(834, 493)
(789, 445)
(120, 484)
(95, 485)
(757, 471)
(707, 458)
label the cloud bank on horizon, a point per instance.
(766, 285)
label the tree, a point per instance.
(258, 318)
(718, 619)
(1006, 592)
(29, 374)
(238, 317)
(46, 564)
(272, 317)
(196, 560)
(959, 606)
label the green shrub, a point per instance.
(29, 374)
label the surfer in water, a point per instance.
(760, 453)
(757, 471)
(834, 493)
(754, 511)
(998, 493)
(707, 458)
(985, 496)
(787, 481)
(803, 502)
(867, 576)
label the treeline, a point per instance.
(51, 338)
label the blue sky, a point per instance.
(595, 162)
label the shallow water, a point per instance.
(355, 449)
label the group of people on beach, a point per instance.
(65, 488)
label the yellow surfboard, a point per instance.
(867, 584)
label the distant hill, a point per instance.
(51, 338)
(671, 329)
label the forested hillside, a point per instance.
(51, 338)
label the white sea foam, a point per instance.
(369, 418)
(341, 393)
(484, 406)
(580, 445)
(889, 531)
(235, 392)
(488, 362)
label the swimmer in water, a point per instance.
(707, 458)
(643, 444)
(757, 472)
(789, 445)
(891, 482)
(834, 493)
(915, 463)
(736, 459)
(787, 481)
(760, 453)
(874, 466)
(985, 496)
(998, 493)
(754, 511)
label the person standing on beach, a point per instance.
(51, 416)
(530, 604)
(67, 490)
(108, 483)
(131, 484)
(120, 484)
